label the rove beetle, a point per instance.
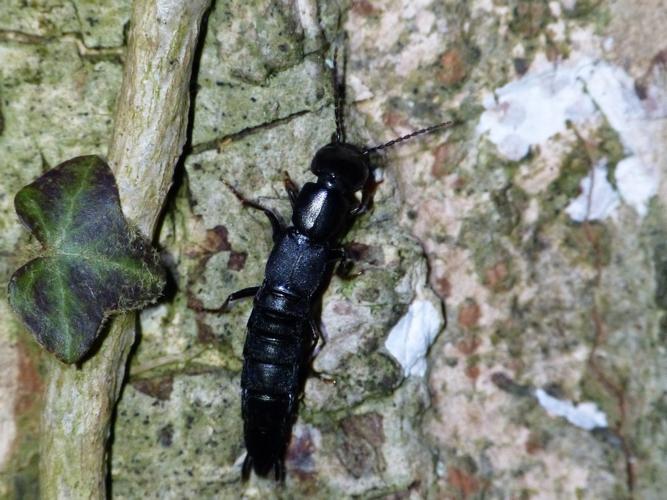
(282, 331)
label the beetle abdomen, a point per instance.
(267, 428)
(274, 354)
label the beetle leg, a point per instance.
(244, 293)
(367, 194)
(327, 379)
(319, 339)
(344, 269)
(277, 224)
(291, 188)
(245, 470)
(279, 468)
(337, 254)
(345, 263)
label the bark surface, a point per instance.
(537, 225)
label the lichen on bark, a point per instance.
(535, 299)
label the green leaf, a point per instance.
(92, 263)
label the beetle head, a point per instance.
(342, 163)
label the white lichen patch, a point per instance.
(585, 415)
(569, 4)
(637, 183)
(598, 198)
(535, 111)
(410, 339)
(535, 108)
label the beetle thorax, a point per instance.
(321, 211)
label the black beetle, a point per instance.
(282, 332)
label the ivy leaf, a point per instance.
(92, 263)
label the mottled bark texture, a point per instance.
(538, 223)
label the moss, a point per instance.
(484, 235)
(583, 9)
(530, 17)
(473, 360)
(102, 23)
(662, 332)
(596, 388)
(589, 244)
(511, 333)
(654, 238)
(377, 373)
(527, 25)
(254, 70)
(609, 146)
(575, 166)
(557, 50)
(488, 159)
(660, 264)
(25, 482)
(196, 429)
(467, 112)
(510, 202)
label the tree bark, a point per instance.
(541, 216)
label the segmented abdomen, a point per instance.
(275, 360)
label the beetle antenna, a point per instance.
(339, 96)
(426, 130)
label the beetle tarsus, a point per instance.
(244, 293)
